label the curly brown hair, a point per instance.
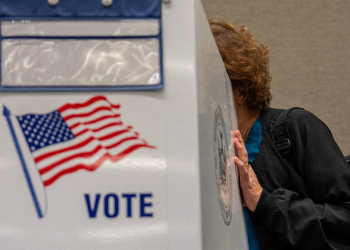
(246, 61)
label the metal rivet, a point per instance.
(107, 2)
(53, 2)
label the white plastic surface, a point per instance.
(196, 83)
(223, 225)
(182, 125)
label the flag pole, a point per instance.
(7, 114)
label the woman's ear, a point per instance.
(240, 96)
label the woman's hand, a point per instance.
(250, 185)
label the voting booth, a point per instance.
(115, 128)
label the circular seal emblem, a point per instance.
(222, 168)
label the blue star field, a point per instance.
(44, 130)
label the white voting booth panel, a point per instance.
(115, 131)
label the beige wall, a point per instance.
(310, 53)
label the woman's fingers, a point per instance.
(241, 160)
(242, 168)
(249, 183)
(238, 135)
(240, 148)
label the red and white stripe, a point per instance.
(100, 135)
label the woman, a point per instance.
(282, 217)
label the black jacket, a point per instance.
(285, 219)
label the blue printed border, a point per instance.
(79, 8)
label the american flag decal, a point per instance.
(78, 136)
